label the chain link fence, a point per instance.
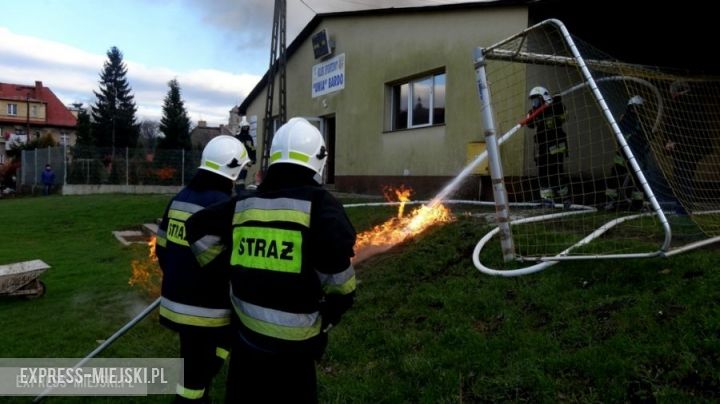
(100, 166)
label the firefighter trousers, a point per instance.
(262, 377)
(204, 354)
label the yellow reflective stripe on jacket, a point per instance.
(262, 215)
(179, 215)
(160, 238)
(267, 248)
(279, 209)
(222, 353)
(193, 315)
(207, 249)
(559, 148)
(276, 323)
(190, 394)
(340, 283)
(343, 289)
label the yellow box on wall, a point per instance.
(473, 149)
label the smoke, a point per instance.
(248, 23)
(133, 306)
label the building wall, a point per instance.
(380, 50)
(38, 111)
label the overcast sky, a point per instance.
(217, 49)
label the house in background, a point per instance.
(201, 134)
(31, 112)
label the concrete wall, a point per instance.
(119, 189)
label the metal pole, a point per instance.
(35, 174)
(119, 333)
(495, 165)
(64, 164)
(182, 169)
(127, 166)
(23, 168)
(27, 112)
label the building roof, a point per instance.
(312, 25)
(57, 113)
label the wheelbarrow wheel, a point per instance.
(40, 290)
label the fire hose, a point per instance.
(119, 333)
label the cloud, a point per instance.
(73, 75)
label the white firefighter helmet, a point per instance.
(636, 100)
(299, 142)
(224, 155)
(540, 92)
(244, 123)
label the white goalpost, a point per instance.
(592, 157)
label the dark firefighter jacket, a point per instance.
(247, 141)
(632, 130)
(550, 136)
(291, 271)
(194, 293)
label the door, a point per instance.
(326, 125)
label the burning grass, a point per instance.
(426, 326)
(146, 273)
(397, 229)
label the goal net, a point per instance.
(600, 158)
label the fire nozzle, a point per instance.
(533, 114)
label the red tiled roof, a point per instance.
(57, 113)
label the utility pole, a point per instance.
(277, 67)
(27, 113)
(114, 100)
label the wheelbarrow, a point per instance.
(21, 279)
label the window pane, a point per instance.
(421, 101)
(439, 99)
(400, 106)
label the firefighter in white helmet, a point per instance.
(547, 115)
(194, 300)
(620, 179)
(291, 274)
(244, 136)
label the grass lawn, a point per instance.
(427, 327)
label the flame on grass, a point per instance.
(146, 273)
(397, 229)
(403, 196)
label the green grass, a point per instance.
(427, 327)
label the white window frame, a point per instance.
(411, 97)
(12, 109)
